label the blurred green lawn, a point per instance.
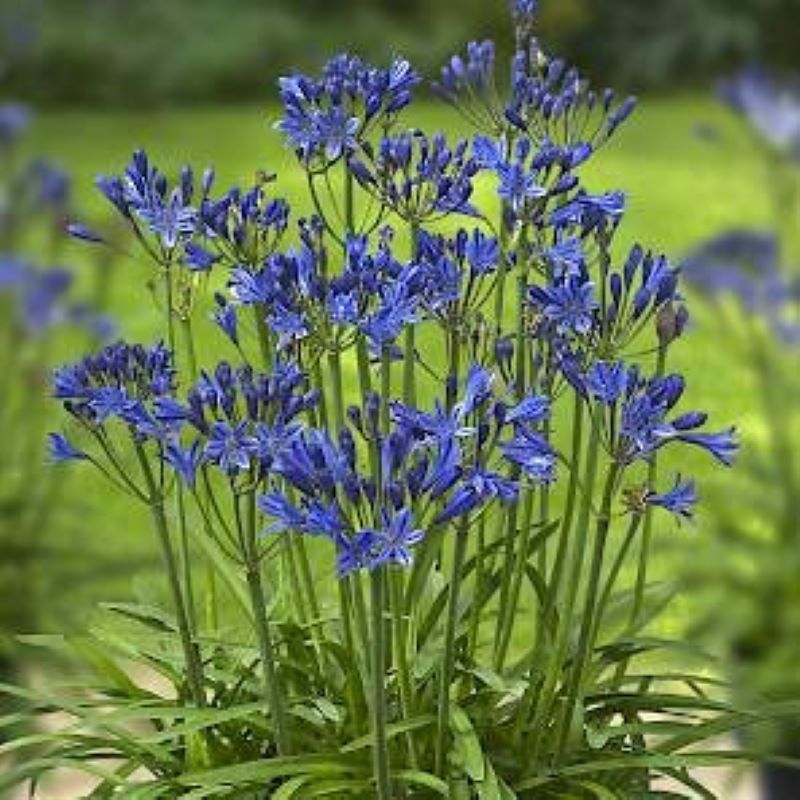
(688, 168)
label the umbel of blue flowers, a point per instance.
(550, 408)
(430, 468)
(547, 100)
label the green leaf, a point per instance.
(425, 779)
(256, 772)
(150, 616)
(289, 789)
(467, 745)
(392, 730)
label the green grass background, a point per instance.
(687, 166)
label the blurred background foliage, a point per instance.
(151, 52)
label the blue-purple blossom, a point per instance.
(680, 500)
(86, 234)
(570, 306)
(394, 542)
(198, 259)
(420, 178)
(607, 381)
(531, 410)
(60, 449)
(474, 491)
(230, 447)
(226, 318)
(325, 118)
(185, 460)
(532, 453)
(143, 193)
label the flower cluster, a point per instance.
(144, 197)
(326, 118)
(419, 178)
(127, 383)
(637, 421)
(548, 102)
(431, 468)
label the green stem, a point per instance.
(554, 584)
(194, 668)
(448, 663)
(555, 667)
(480, 577)
(264, 343)
(401, 660)
(647, 530)
(379, 712)
(272, 690)
(410, 346)
(616, 568)
(335, 367)
(516, 584)
(585, 643)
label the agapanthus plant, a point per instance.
(407, 529)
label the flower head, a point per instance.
(680, 500)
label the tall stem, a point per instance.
(401, 659)
(194, 668)
(584, 651)
(512, 600)
(647, 529)
(410, 345)
(556, 663)
(379, 715)
(448, 663)
(272, 690)
(554, 584)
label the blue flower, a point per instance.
(419, 178)
(771, 108)
(395, 540)
(230, 447)
(251, 288)
(14, 119)
(324, 118)
(144, 192)
(198, 259)
(531, 409)
(324, 520)
(607, 381)
(680, 500)
(226, 318)
(109, 401)
(518, 186)
(590, 211)
(533, 454)
(185, 460)
(477, 389)
(60, 449)
(482, 252)
(477, 489)
(566, 258)
(79, 231)
(723, 445)
(286, 516)
(356, 552)
(570, 305)
(398, 308)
